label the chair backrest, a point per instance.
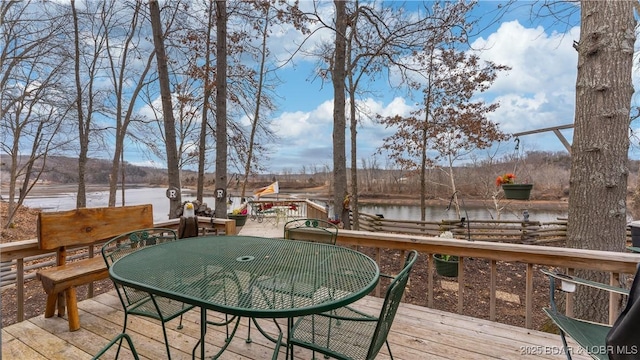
(128, 243)
(315, 230)
(390, 307)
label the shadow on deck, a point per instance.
(417, 333)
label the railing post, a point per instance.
(20, 288)
(525, 236)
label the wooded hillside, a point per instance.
(548, 171)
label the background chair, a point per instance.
(138, 302)
(347, 333)
(589, 335)
(311, 230)
(118, 339)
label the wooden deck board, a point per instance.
(417, 333)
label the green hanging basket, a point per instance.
(240, 219)
(448, 267)
(517, 191)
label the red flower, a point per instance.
(507, 178)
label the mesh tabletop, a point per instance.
(250, 276)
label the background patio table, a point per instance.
(221, 273)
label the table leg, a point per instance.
(289, 347)
(203, 331)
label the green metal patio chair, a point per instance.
(589, 335)
(311, 230)
(347, 333)
(136, 302)
(118, 339)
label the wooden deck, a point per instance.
(417, 333)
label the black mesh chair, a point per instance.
(347, 333)
(136, 302)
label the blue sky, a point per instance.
(538, 92)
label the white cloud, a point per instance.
(540, 62)
(539, 91)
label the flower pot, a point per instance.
(444, 267)
(517, 191)
(240, 219)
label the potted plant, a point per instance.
(446, 265)
(513, 191)
(240, 216)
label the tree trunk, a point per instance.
(83, 128)
(598, 183)
(256, 113)
(221, 109)
(205, 108)
(339, 119)
(173, 170)
(353, 130)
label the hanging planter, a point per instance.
(446, 265)
(513, 191)
(517, 191)
(240, 219)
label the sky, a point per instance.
(538, 92)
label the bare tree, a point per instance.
(338, 78)
(123, 72)
(173, 170)
(221, 109)
(599, 154)
(450, 121)
(206, 98)
(84, 110)
(380, 38)
(31, 110)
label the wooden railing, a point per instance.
(22, 257)
(513, 231)
(286, 208)
(20, 260)
(614, 263)
(516, 231)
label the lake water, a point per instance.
(156, 197)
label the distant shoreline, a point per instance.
(316, 193)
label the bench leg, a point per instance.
(61, 308)
(50, 308)
(72, 308)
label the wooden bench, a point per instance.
(63, 230)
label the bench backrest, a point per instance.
(88, 225)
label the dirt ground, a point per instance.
(511, 284)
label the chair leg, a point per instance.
(389, 349)
(118, 339)
(565, 346)
(249, 341)
(124, 330)
(166, 340)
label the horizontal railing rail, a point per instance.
(514, 231)
(615, 263)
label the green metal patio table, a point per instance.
(220, 273)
